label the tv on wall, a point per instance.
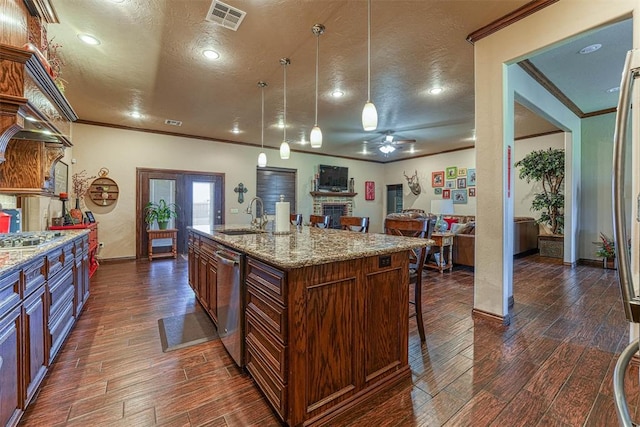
(333, 178)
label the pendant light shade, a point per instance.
(262, 157)
(316, 134)
(369, 112)
(285, 150)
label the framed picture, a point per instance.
(462, 172)
(459, 197)
(471, 177)
(437, 191)
(462, 182)
(90, 216)
(450, 184)
(472, 191)
(437, 179)
(446, 193)
(369, 190)
(61, 178)
(451, 172)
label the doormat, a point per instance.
(186, 330)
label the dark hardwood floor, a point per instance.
(551, 367)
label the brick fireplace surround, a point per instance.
(325, 205)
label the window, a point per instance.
(271, 183)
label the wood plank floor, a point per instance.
(551, 367)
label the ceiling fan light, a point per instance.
(262, 160)
(285, 151)
(386, 149)
(369, 116)
(316, 137)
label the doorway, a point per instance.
(199, 197)
(394, 198)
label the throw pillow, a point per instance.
(457, 227)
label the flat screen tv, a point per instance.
(333, 178)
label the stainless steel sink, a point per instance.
(240, 232)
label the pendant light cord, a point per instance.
(262, 129)
(317, 58)
(369, 51)
(284, 139)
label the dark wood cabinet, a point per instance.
(203, 269)
(11, 367)
(35, 344)
(212, 289)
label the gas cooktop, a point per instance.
(28, 240)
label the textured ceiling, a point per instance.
(150, 60)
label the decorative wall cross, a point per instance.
(240, 189)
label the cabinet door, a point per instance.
(86, 283)
(10, 367)
(212, 291)
(35, 345)
(202, 281)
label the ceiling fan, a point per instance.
(389, 143)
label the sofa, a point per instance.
(525, 232)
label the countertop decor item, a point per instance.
(80, 183)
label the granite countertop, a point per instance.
(12, 258)
(305, 246)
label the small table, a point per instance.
(169, 233)
(442, 240)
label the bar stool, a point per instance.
(418, 227)
(355, 223)
(320, 221)
(296, 219)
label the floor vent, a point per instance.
(225, 15)
(173, 122)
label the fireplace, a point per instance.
(334, 205)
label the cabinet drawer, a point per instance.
(269, 313)
(59, 290)
(58, 258)
(59, 328)
(34, 276)
(273, 389)
(271, 351)
(9, 292)
(267, 279)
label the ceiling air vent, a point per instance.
(173, 122)
(225, 15)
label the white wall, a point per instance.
(122, 151)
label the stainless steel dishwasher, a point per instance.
(229, 303)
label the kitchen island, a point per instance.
(324, 313)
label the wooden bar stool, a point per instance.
(355, 223)
(418, 227)
(320, 221)
(296, 219)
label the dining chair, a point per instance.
(296, 219)
(320, 221)
(355, 223)
(416, 227)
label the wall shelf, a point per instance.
(332, 194)
(103, 191)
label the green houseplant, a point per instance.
(546, 167)
(160, 212)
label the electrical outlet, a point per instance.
(234, 210)
(101, 245)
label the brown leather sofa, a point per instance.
(525, 232)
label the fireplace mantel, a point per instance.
(331, 194)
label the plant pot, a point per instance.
(609, 263)
(551, 245)
(162, 225)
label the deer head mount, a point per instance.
(413, 183)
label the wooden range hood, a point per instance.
(35, 121)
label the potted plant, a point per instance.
(547, 168)
(160, 212)
(606, 249)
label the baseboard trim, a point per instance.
(116, 260)
(482, 315)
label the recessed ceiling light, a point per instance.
(436, 90)
(235, 130)
(337, 94)
(89, 39)
(613, 89)
(211, 54)
(135, 115)
(590, 49)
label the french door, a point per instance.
(199, 198)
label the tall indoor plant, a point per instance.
(160, 212)
(547, 168)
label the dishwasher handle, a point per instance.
(224, 258)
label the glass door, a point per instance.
(203, 204)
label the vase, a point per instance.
(76, 213)
(609, 263)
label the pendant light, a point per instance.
(285, 151)
(262, 157)
(369, 113)
(316, 134)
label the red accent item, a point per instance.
(450, 221)
(5, 222)
(369, 190)
(93, 241)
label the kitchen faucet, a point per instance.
(257, 222)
